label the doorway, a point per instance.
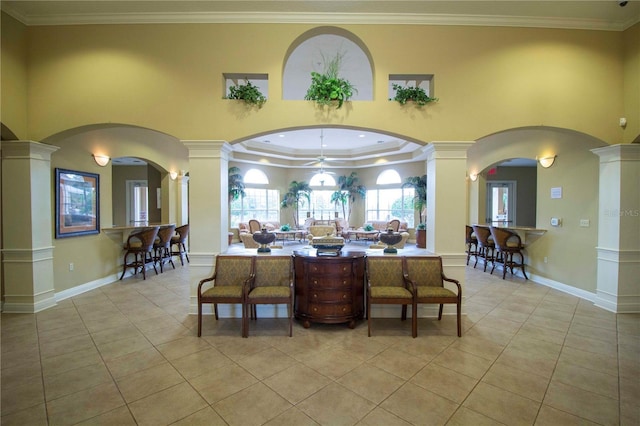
(501, 202)
(137, 207)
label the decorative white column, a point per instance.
(27, 225)
(208, 208)
(447, 206)
(618, 280)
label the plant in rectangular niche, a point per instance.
(415, 94)
(248, 93)
(327, 87)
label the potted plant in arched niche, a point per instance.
(297, 190)
(248, 93)
(419, 185)
(415, 94)
(327, 87)
(350, 185)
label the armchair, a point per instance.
(320, 231)
(387, 284)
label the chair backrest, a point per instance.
(273, 271)
(394, 224)
(254, 226)
(183, 232)
(322, 230)
(146, 237)
(424, 271)
(164, 235)
(248, 241)
(233, 270)
(469, 235)
(505, 239)
(482, 234)
(385, 271)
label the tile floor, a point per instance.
(127, 353)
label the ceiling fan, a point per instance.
(321, 160)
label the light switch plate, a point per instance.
(555, 221)
(585, 223)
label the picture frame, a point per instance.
(77, 203)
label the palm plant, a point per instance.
(236, 184)
(352, 187)
(296, 192)
(342, 198)
(419, 185)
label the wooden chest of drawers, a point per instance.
(329, 289)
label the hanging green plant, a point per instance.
(327, 87)
(415, 94)
(249, 93)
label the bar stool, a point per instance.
(140, 244)
(507, 244)
(472, 243)
(178, 241)
(486, 246)
(162, 246)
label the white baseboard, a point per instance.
(83, 288)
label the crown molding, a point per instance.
(316, 18)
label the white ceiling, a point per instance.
(300, 148)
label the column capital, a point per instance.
(618, 152)
(447, 149)
(27, 149)
(208, 148)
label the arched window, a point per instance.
(256, 176)
(322, 180)
(392, 201)
(388, 177)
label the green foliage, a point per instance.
(342, 198)
(285, 228)
(415, 94)
(296, 192)
(421, 226)
(247, 92)
(236, 184)
(419, 185)
(351, 185)
(368, 227)
(327, 87)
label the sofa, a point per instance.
(243, 227)
(381, 225)
(320, 231)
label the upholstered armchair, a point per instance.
(426, 274)
(387, 284)
(271, 283)
(229, 277)
(254, 226)
(320, 231)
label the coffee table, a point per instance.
(362, 235)
(293, 235)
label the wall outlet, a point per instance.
(585, 223)
(71, 266)
(556, 221)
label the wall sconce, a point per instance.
(101, 160)
(473, 177)
(173, 175)
(547, 162)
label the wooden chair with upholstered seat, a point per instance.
(387, 284)
(162, 246)
(428, 277)
(472, 243)
(229, 277)
(178, 243)
(486, 247)
(394, 224)
(271, 283)
(254, 226)
(507, 244)
(140, 245)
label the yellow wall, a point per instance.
(13, 103)
(632, 83)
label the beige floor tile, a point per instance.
(398, 363)
(20, 357)
(64, 346)
(586, 379)
(526, 361)
(591, 345)
(254, 405)
(501, 337)
(297, 382)
(501, 405)
(22, 394)
(121, 416)
(630, 390)
(381, 417)
(531, 331)
(371, 382)
(117, 348)
(362, 347)
(99, 324)
(73, 381)
(500, 324)
(538, 348)
(61, 363)
(16, 375)
(445, 382)
(133, 362)
(83, 405)
(477, 346)
(463, 362)
(582, 403)
(466, 417)
(167, 406)
(292, 417)
(508, 312)
(333, 363)
(630, 413)
(426, 347)
(541, 321)
(514, 380)
(550, 304)
(347, 408)
(32, 416)
(146, 382)
(418, 406)
(549, 416)
(205, 417)
(182, 347)
(597, 362)
(220, 383)
(108, 335)
(54, 334)
(11, 343)
(167, 333)
(266, 363)
(201, 362)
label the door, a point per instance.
(501, 202)
(137, 202)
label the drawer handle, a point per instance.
(344, 309)
(344, 282)
(315, 309)
(344, 296)
(315, 295)
(315, 281)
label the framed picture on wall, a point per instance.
(77, 203)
